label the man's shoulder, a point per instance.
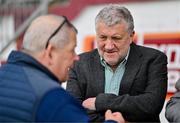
(89, 55)
(145, 50)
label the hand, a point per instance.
(89, 103)
(116, 116)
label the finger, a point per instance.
(84, 103)
(117, 114)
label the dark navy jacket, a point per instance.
(30, 92)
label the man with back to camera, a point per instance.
(29, 81)
(119, 75)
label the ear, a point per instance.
(132, 36)
(48, 54)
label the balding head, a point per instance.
(51, 40)
(42, 28)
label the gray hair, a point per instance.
(114, 14)
(37, 35)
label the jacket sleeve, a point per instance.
(58, 106)
(146, 104)
(172, 112)
(75, 88)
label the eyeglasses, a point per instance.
(60, 26)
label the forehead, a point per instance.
(111, 24)
(116, 28)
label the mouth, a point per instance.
(110, 50)
(110, 53)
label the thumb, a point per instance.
(108, 112)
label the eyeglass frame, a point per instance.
(59, 27)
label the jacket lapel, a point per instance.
(98, 74)
(132, 66)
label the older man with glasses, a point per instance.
(29, 82)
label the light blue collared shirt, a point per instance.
(113, 78)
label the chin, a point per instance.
(110, 61)
(63, 81)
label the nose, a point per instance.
(76, 58)
(109, 44)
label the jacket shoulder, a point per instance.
(89, 55)
(148, 51)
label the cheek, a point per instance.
(69, 61)
(122, 45)
(100, 45)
